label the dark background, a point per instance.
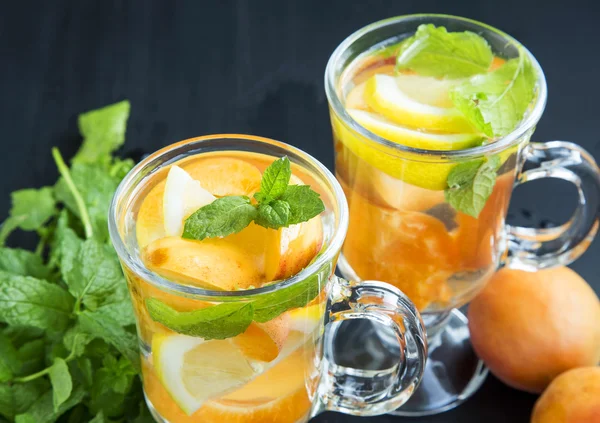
(256, 67)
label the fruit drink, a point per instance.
(433, 229)
(204, 360)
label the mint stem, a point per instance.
(65, 173)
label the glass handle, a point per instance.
(531, 248)
(372, 392)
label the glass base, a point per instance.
(453, 372)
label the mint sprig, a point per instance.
(278, 205)
(470, 184)
(495, 102)
(227, 320)
(433, 51)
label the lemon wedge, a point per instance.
(183, 196)
(415, 101)
(193, 370)
(411, 137)
(306, 319)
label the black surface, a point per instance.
(193, 68)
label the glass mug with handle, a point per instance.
(428, 193)
(233, 328)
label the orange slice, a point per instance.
(225, 176)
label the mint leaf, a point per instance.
(470, 184)
(120, 311)
(103, 132)
(496, 102)
(31, 208)
(217, 322)
(10, 363)
(99, 418)
(75, 340)
(274, 180)
(34, 302)
(42, 411)
(62, 385)
(19, 397)
(96, 188)
(31, 356)
(304, 203)
(433, 51)
(268, 306)
(274, 215)
(222, 217)
(106, 328)
(22, 262)
(93, 274)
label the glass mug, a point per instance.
(403, 231)
(299, 380)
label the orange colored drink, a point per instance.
(402, 228)
(260, 374)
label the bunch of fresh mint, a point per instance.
(495, 102)
(68, 348)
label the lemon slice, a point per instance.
(414, 101)
(193, 370)
(413, 138)
(306, 319)
(183, 196)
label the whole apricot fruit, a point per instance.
(573, 397)
(529, 327)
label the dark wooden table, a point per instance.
(248, 66)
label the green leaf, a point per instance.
(75, 340)
(268, 306)
(470, 184)
(22, 262)
(433, 51)
(10, 363)
(42, 411)
(275, 180)
(62, 385)
(94, 185)
(93, 275)
(106, 328)
(34, 302)
(120, 311)
(32, 355)
(304, 203)
(274, 215)
(19, 397)
(32, 207)
(217, 322)
(103, 132)
(220, 218)
(496, 102)
(120, 168)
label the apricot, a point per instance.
(573, 397)
(529, 327)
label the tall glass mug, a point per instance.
(403, 231)
(198, 366)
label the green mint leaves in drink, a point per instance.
(278, 204)
(433, 51)
(495, 102)
(470, 185)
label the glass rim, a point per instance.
(134, 262)
(502, 143)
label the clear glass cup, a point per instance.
(403, 231)
(299, 380)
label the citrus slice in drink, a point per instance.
(411, 137)
(414, 101)
(183, 196)
(193, 370)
